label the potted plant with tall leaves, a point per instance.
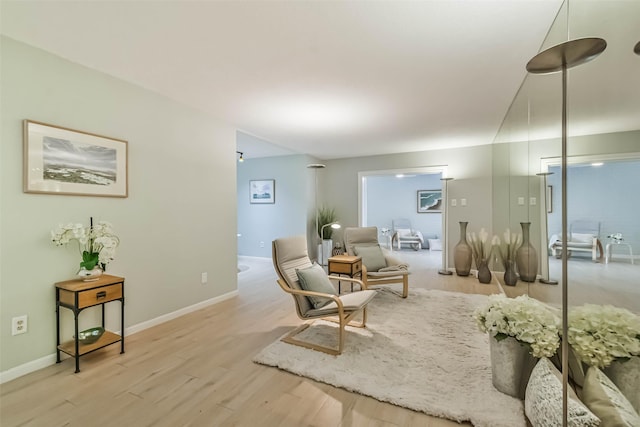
(326, 216)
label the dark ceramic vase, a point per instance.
(526, 256)
(484, 274)
(462, 253)
(510, 275)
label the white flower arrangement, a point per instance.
(526, 319)
(600, 334)
(616, 237)
(97, 243)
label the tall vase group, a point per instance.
(518, 256)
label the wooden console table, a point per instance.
(76, 295)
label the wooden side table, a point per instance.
(76, 295)
(345, 264)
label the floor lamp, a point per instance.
(335, 226)
(445, 242)
(545, 210)
(560, 58)
(315, 167)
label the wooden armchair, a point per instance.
(583, 237)
(289, 255)
(404, 234)
(388, 270)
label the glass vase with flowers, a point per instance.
(97, 245)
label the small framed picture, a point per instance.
(262, 191)
(429, 201)
(64, 161)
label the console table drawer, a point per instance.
(92, 296)
(346, 268)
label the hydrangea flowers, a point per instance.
(526, 319)
(600, 334)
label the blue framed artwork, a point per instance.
(262, 191)
(429, 201)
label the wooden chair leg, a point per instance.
(405, 286)
(290, 339)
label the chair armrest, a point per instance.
(349, 279)
(332, 297)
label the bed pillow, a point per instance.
(315, 279)
(372, 257)
(435, 244)
(606, 401)
(543, 400)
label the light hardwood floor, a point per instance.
(197, 370)
(616, 283)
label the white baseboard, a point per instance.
(27, 368)
(43, 362)
(175, 314)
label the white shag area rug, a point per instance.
(424, 353)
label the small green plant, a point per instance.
(326, 216)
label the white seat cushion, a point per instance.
(351, 302)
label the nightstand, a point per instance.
(76, 295)
(345, 265)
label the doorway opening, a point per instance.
(388, 198)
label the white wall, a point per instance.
(600, 193)
(390, 198)
(178, 221)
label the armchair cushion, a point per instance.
(404, 232)
(372, 257)
(351, 302)
(582, 238)
(315, 279)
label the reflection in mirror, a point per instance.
(603, 106)
(602, 200)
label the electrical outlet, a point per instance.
(463, 202)
(204, 278)
(532, 201)
(454, 202)
(19, 325)
(520, 201)
(262, 244)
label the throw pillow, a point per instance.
(604, 399)
(435, 244)
(372, 257)
(315, 279)
(543, 400)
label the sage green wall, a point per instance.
(178, 221)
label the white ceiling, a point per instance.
(328, 78)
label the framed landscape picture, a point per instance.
(262, 191)
(64, 161)
(429, 201)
